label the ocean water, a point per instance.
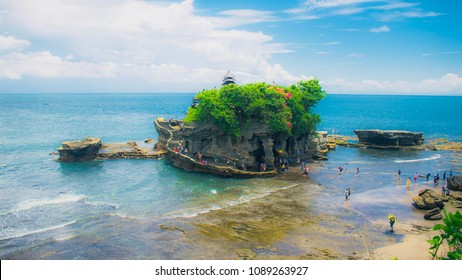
(435, 116)
(107, 210)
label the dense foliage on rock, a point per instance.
(286, 110)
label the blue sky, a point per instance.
(351, 46)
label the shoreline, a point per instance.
(282, 226)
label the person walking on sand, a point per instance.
(392, 220)
(444, 175)
(408, 183)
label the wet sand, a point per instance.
(287, 224)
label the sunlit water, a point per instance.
(111, 209)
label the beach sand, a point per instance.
(286, 225)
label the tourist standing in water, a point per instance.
(399, 172)
(416, 175)
(408, 183)
(392, 220)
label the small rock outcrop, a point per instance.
(455, 183)
(434, 214)
(427, 199)
(90, 149)
(81, 150)
(389, 139)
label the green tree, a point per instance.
(450, 236)
(286, 110)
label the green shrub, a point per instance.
(286, 110)
(450, 235)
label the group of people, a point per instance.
(436, 177)
(347, 193)
(180, 149)
(282, 163)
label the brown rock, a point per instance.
(434, 214)
(455, 183)
(427, 199)
(81, 150)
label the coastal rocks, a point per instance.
(455, 183)
(389, 139)
(90, 149)
(256, 145)
(434, 214)
(81, 150)
(427, 199)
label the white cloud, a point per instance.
(45, 65)
(10, 43)
(380, 29)
(441, 53)
(384, 10)
(157, 41)
(449, 83)
(356, 55)
(311, 4)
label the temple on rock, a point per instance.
(228, 79)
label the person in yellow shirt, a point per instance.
(392, 220)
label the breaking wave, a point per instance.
(437, 156)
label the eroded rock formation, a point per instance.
(90, 149)
(255, 146)
(81, 150)
(427, 199)
(455, 183)
(389, 139)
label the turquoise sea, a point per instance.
(112, 209)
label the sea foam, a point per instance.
(22, 233)
(437, 156)
(34, 203)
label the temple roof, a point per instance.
(228, 79)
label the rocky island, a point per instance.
(390, 139)
(245, 131)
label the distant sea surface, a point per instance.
(63, 210)
(435, 116)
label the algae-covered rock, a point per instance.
(434, 214)
(81, 150)
(427, 199)
(455, 183)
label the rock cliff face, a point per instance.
(389, 138)
(256, 144)
(455, 183)
(82, 150)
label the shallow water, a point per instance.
(114, 209)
